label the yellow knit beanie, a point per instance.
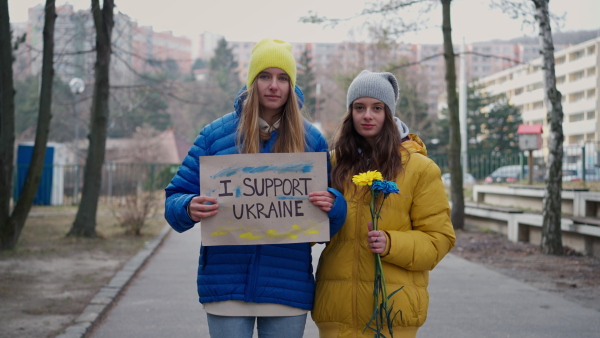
(268, 53)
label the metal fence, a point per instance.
(579, 162)
(62, 184)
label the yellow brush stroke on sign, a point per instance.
(249, 235)
(293, 236)
(218, 233)
(295, 227)
(272, 232)
(312, 232)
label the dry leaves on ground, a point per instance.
(47, 281)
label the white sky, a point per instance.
(252, 20)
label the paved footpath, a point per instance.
(467, 301)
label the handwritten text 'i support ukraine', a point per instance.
(290, 194)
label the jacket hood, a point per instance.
(415, 145)
(242, 94)
(402, 127)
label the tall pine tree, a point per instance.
(492, 123)
(223, 84)
(223, 68)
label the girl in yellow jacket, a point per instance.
(415, 231)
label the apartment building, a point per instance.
(577, 79)
(427, 61)
(135, 49)
(152, 49)
(207, 43)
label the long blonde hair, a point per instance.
(291, 130)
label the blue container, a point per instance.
(50, 191)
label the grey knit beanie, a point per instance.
(382, 86)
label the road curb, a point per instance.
(103, 300)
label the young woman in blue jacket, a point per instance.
(240, 285)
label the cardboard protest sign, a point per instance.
(263, 198)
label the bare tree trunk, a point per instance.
(85, 220)
(457, 214)
(551, 231)
(7, 121)
(13, 227)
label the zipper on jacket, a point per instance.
(251, 288)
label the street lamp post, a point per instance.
(77, 87)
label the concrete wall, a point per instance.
(526, 227)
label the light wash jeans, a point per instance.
(267, 327)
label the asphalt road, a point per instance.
(467, 301)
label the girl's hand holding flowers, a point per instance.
(377, 239)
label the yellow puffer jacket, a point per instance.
(417, 224)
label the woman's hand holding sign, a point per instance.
(322, 199)
(201, 207)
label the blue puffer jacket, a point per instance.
(281, 273)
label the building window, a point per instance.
(560, 79)
(534, 86)
(590, 137)
(576, 139)
(591, 115)
(560, 60)
(591, 50)
(591, 71)
(576, 55)
(576, 117)
(576, 97)
(576, 76)
(538, 105)
(591, 94)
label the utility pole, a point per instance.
(462, 109)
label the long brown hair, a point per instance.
(291, 126)
(354, 155)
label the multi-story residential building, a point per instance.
(427, 61)
(207, 43)
(152, 49)
(577, 79)
(135, 49)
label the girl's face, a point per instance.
(368, 116)
(273, 90)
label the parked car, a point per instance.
(468, 179)
(575, 175)
(512, 174)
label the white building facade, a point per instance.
(577, 79)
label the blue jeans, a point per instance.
(267, 327)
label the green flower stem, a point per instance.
(379, 267)
(378, 303)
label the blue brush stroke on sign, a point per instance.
(280, 169)
(292, 197)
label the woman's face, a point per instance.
(273, 89)
(368, 116)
